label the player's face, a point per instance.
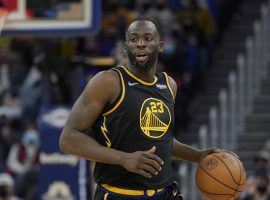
(143, 44)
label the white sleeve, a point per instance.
(12, 161)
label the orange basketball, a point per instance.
(220, 176)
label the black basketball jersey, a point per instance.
(141, 117)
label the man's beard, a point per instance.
(148, 64)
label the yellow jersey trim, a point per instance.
(131, 192)
(168, 84)
(138, 79)
(106, 196)
(122, 95)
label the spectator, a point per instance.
(30, 94)
(258, 185)
(162, 13)
(6, 141)
(7, 187)
(259, 189)
(4, 72)
(12, 108)
(23, 156)
(23, 161)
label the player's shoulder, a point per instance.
(103, 83)
(107, 78)
(107, 75)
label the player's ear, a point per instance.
(161, 46)
(125, 48)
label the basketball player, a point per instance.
(131, 109)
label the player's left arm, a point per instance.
(182, 151)
(185, 152)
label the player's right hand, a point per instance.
(145, 163)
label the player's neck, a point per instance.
(143, 74)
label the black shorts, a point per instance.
(170, 193)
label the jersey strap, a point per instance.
(122, 95)
(169, 85)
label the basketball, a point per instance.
(220, 176)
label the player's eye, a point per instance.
(148, 38)
(133, 39)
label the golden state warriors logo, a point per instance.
(155, 118)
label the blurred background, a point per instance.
(216, 50)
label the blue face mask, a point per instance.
(30, 137)
(15, 112)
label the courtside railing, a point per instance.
(226, 121)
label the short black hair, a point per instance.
(150, 20)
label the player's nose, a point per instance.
(140, 43)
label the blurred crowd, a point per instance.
(35, 72)
(258, 185)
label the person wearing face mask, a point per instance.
(23, 156)
(22, 161)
